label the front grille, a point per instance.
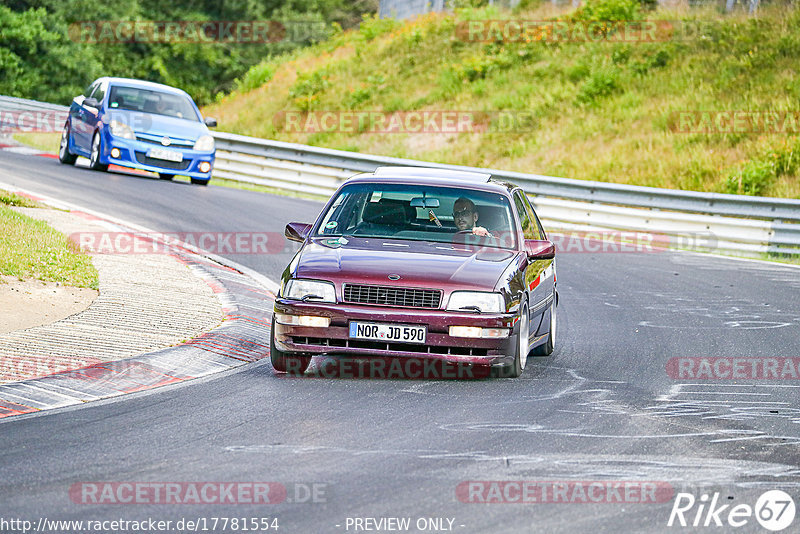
(392, 296)
(142, 158)
(173, 142)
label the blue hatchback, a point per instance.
(140, 125)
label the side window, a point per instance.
(100, 92)
(90, 89)
(524, 219)
(536, 224)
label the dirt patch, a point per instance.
(30, 303)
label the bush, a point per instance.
(600, 83)
(608, 10)
(372, 26)
(755, 176)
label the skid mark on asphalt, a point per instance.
(783, 274)
(727, 405)
(677, 311)
(749, 402)
(700, 471)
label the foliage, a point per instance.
(47, 51)
(601, 109)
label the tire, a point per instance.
(284, 362)
(197, 181)
(165, 176)
(94, 158)
(522, 347)
(64, 155)
(549, 346)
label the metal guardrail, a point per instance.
(739, 224)
(735, 224)
(583, 190)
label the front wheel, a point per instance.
(547, 348)
(285, 362)
(64, 155)
(94, 157)
(522, 347)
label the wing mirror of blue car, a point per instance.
(297, 231)
(211, 122)
(540, 249)
(91, 102)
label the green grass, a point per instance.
(31, 249)
(603, 109)
(233, 184)
(44, 141)
(12, 199)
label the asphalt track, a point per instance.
(602, 408)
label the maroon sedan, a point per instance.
(419, 263)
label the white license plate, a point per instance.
(401, 333)
(168, 155)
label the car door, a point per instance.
(77, 119)
(538, 273)
(86, 117)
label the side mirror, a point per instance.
(91, 102)
(211, 122)
(297, 231)
(540, 250)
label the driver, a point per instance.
(465, 215)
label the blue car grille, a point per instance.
(173, 142)
(142, 158)
(392, 296)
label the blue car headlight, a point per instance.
(205, 143)
(120, 129)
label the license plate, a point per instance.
(401, 333)
(168, 155)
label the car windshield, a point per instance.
(150, 101)
(419, 213)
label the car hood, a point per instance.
(420, 264)
(160, 125)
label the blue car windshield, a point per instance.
(420, 213)
(150, 101)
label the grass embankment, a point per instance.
(44, 141)
(604, 110)
(31, 249)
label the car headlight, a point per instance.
(309, 290)
(476, 301)
(205, 143)
(120, 129)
